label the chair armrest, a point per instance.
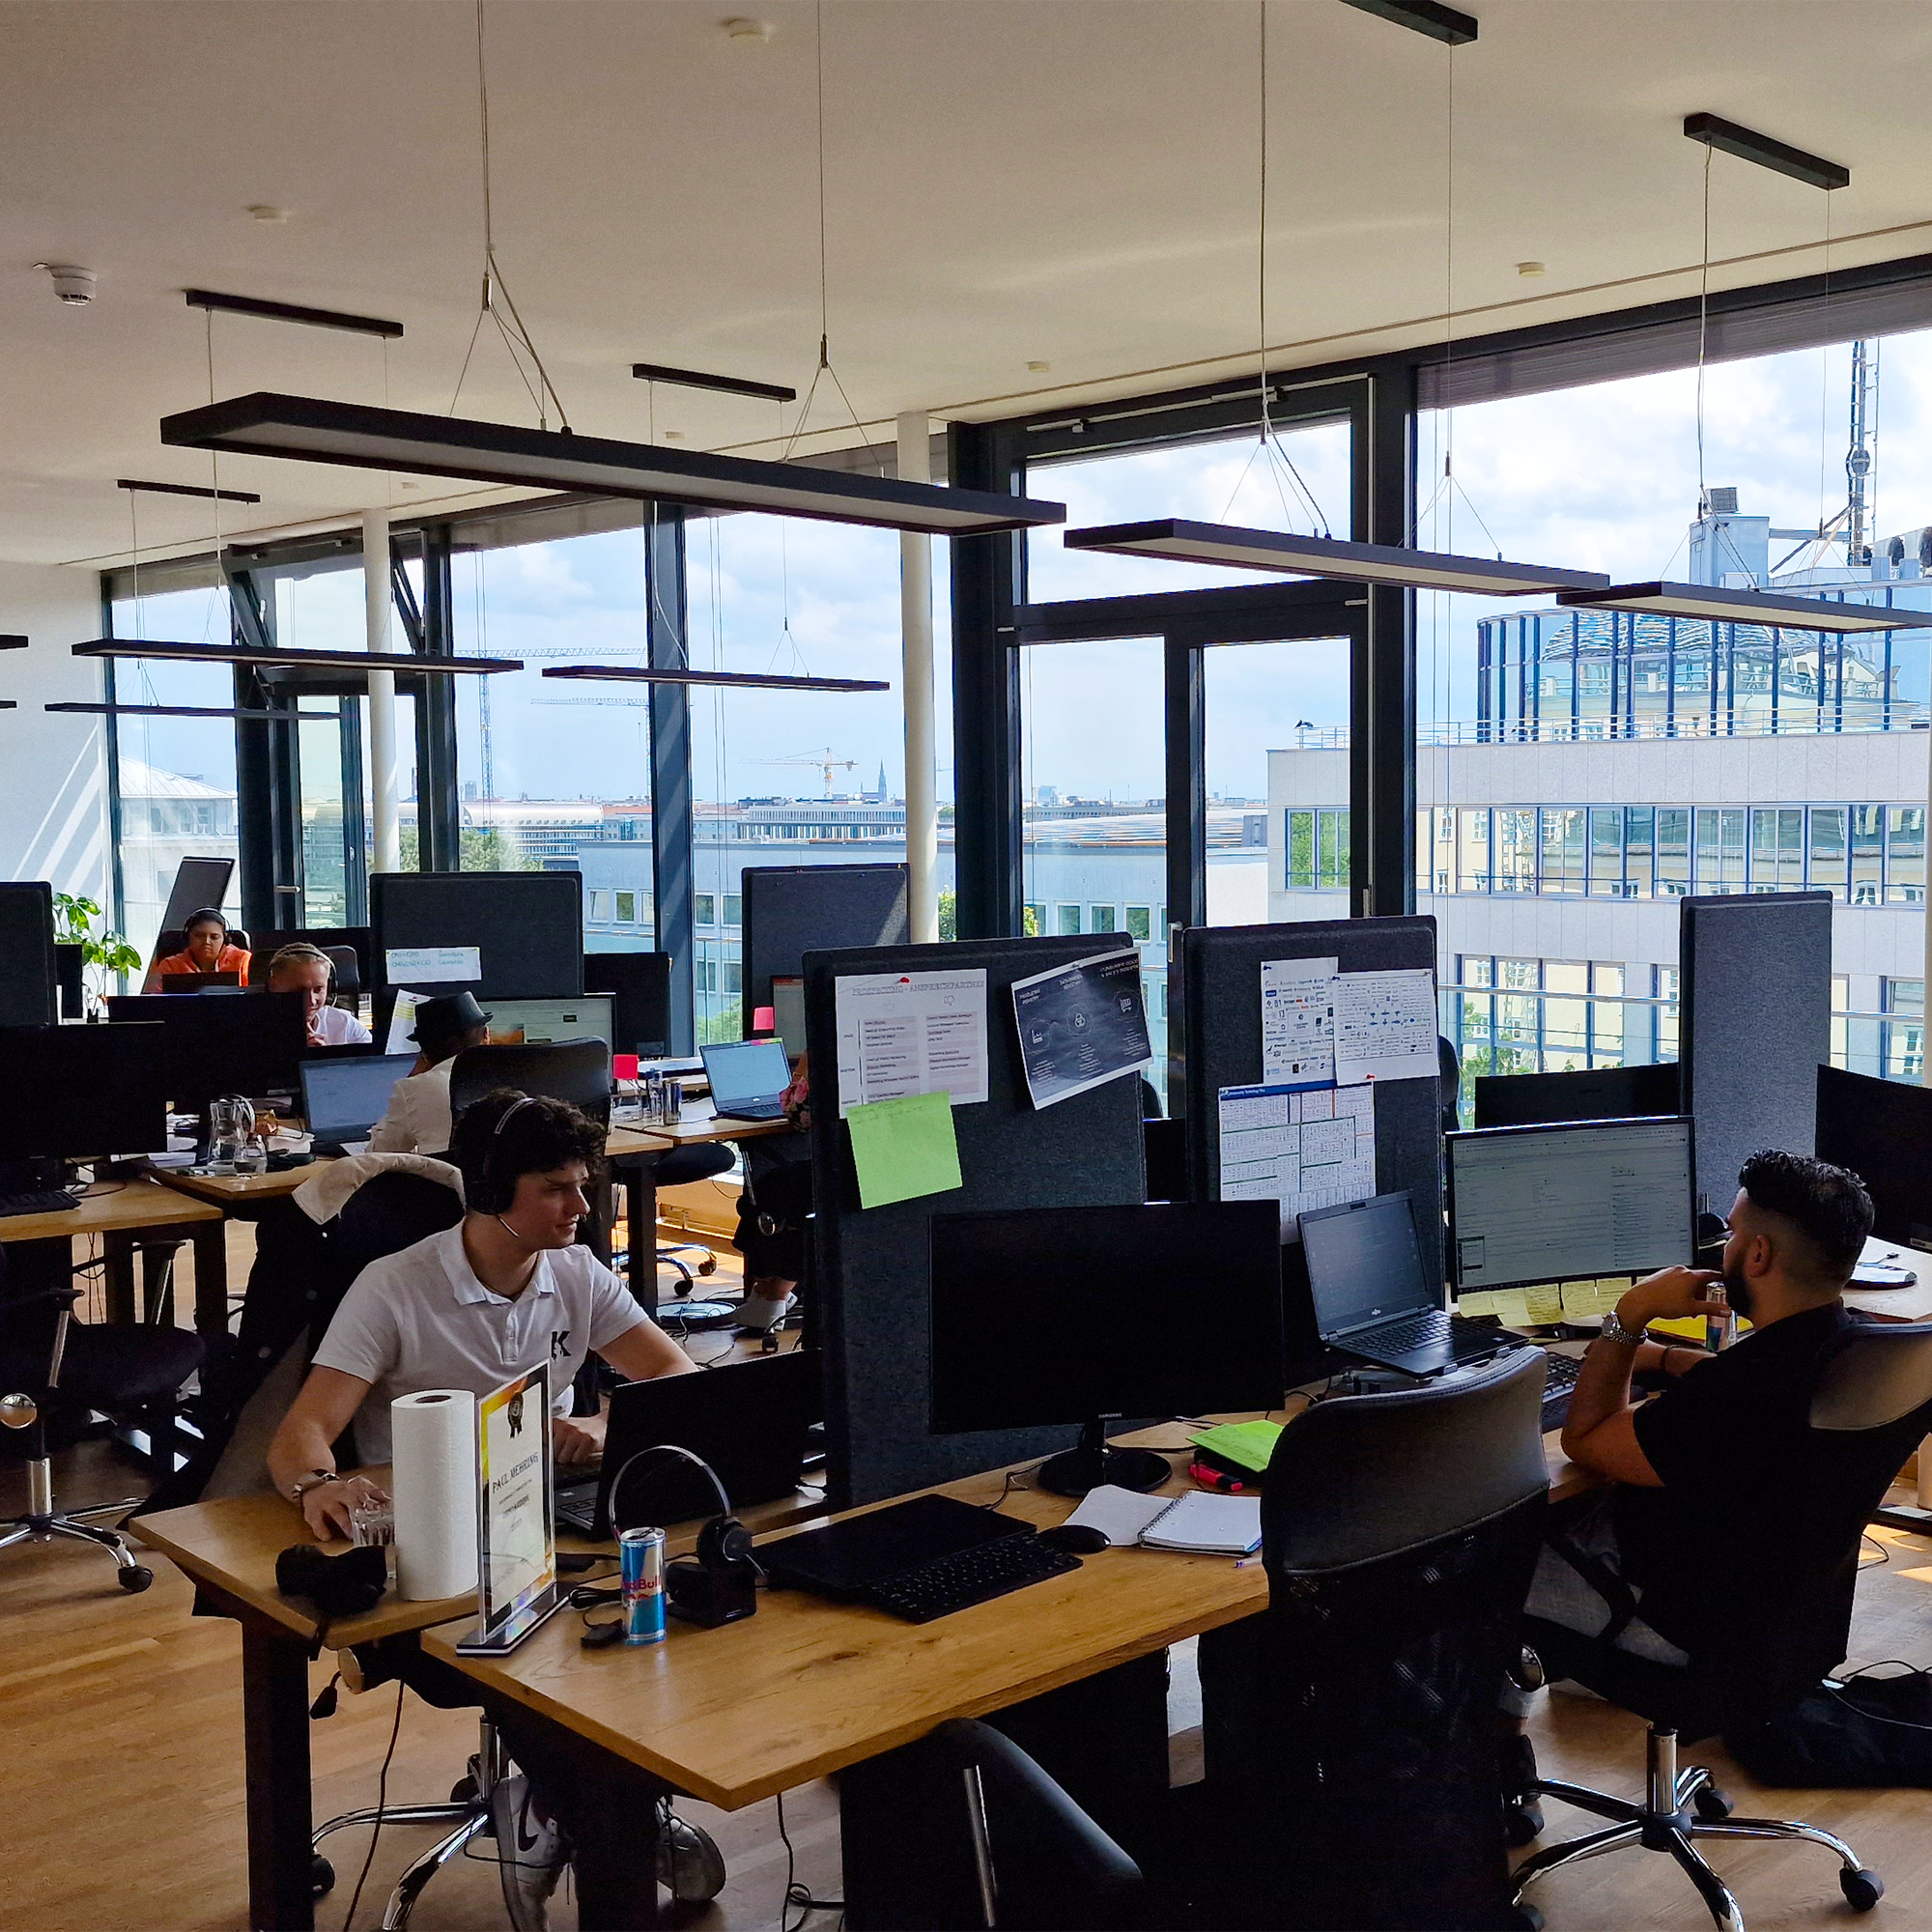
(10, 1304)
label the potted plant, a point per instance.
(104, 951)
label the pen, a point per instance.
(1242, 1562)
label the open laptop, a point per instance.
(749, 1420)
(748, 1079)
(1372, 1298)
(342, 1099)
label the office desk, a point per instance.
(636, 1161)
(120, 1217)
(229, 1549)
(809, 1688)
(235, 1194)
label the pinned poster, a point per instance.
(911, 1032)
(1305, 1149)
(1298, 1022)
(1385, 1026)
(403, 1023)
(903, 1148)
(1081, 1025)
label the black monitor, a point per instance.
(1881, 1129)
(527, 929)
(1052, 1315)
(1570, 1202)
(224, 1043)
(77, 1093)
(1591, 1094)
(640, 987)
(29, 983)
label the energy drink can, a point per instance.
(642, 1554)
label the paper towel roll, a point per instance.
(433, 1437)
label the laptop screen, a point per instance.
(1364, 1264)
(342, 1099)
(755, 1069)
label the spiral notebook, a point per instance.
(1198, 1524)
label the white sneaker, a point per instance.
(532, 1852)
(690, 1865)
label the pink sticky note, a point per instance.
(764, 1019)
(624, 1066)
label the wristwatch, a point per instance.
(1615, 1331)
(314, 1479)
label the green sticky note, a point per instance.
(1249, 1444)
(904, 1147)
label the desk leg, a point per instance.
(274, 1730)
(210, 1242)
(117, 1273)
(641, 1208)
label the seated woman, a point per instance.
(206, 950)
(417, 1120)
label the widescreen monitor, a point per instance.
(74, 1092)
(1590, 1094)
(224, 1043)
(527, 929)
(1570, 1202)
(29, 982)
(1881, 1130)
(1079, 1315)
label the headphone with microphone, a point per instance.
(719, 1585)
(487, 1177)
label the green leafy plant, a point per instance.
(105, 951)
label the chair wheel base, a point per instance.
(135, 1579)
(1526, 1917)
(1862, 1890)
(1520, 1824)
(321, 1877)
(1713, 1804)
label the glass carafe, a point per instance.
(231, 1126)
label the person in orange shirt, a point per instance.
(207, 951)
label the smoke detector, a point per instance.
(73, 286)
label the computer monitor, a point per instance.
(29, 983)
(224, 1043)
(788, 1013)
(1076, 1314)
(343, 1098)
(527, 929)
(1570, 1202)
(77, 1092)
(1880, 1129)
(200, 982)
(1591, 1094)
(640, 987)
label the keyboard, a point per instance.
(1558, 1389)
(975, 1575)
(42, 1201)
(1430, 1325)
(750, 1109)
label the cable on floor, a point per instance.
(381, 1804)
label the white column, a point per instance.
(922, 791)
(384, 785)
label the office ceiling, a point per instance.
(1007, 182)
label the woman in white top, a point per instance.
(417, 1121)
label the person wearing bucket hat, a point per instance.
(417, 1121)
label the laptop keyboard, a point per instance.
(975, 1575)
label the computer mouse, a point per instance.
(1076, 1539)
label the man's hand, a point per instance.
(325, 1507)
(1670, 1295)
(572, 1441)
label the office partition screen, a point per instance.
(525, 928)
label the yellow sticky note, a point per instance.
(1509, 1306)
(904, 1147)
(1591, 1301)
(1545, 1301)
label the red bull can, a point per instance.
(641, 1553)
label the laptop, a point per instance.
(749, 1420)
(748, 1079)
(1372, 1298)
(342, 1099)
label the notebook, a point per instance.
(1199, 1522)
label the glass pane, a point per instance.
(1827, 849)
(1302, 484)
(1096, 828)
(1673, 852)
(1867, 855)
(324, 884)
(1905, 855)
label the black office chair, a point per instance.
(62, 1370)
(576, 1070)
(347, 984)
(1792, 1627)
(1349, 1729)
(963, 1828)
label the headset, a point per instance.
(488, 1177)
(717, 1586)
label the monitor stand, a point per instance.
(1075, 1472)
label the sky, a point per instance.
(1603, 478)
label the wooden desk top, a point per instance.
(807, 1685)
(231, 1547)
(235, 1190)
(696, 1127)
(123, 1209)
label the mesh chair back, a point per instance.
(576, 1070)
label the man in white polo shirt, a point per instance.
(505, 1291)
(302, 968)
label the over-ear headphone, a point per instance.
(719, 1584)
(488, 1178)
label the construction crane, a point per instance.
(489, 772)
(827, 761)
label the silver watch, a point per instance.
(1615, 1331)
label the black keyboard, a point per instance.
(975, 1575)
(1558, 1389)
(42, 1201)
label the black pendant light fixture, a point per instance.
(761, 680)
(193, 711)
(1181, 542)
(264, 658)
(1709, 603)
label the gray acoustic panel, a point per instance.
(1221, 982)
(29, 974)
(1754, 1020)
(873, 1266)
(791, 910)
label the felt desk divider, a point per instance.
(788, 911)
(873, 1266)
(1221, 994)
(1754, 1025)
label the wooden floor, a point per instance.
(120, 1787)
